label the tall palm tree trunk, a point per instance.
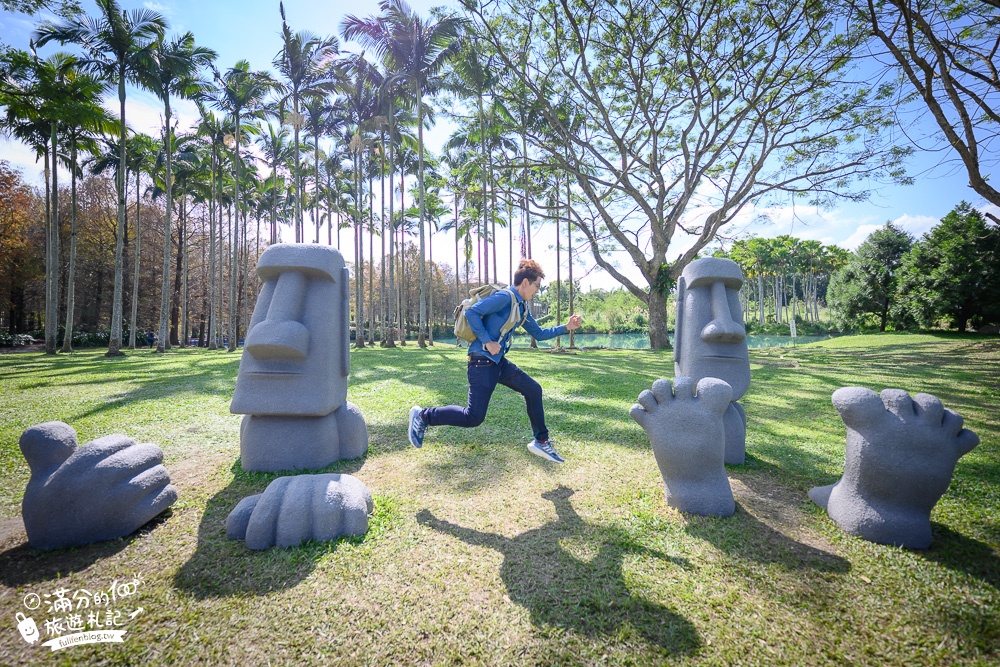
(115, 341)
(135, 267)
(67, 345)
(422, 322)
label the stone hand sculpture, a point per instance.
(295, 509)
(901, 454)
(107, 488)
(686, 431)
(710, 340)
(292, 382)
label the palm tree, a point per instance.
(317, 120)
(141, 154)
(277, 151)
(418, 51)
(34, 109)
(242, 91)
(113, 42)
(214, 130)
(171, 67)
(306, 62)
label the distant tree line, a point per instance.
(948, 278)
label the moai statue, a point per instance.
(901, 454)
(292, 382)
(295, 509)
(710, 340)
(107, 488)
(684, 426)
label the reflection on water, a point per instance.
(641, 341)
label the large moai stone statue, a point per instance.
(901, 455)
(684, 426)
(710, 340)
(107, 488)
(295, 509)
(292, 382)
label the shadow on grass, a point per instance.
(963, 554)
(746, 537)
(559, 589)
(23, 564)
(221, 567)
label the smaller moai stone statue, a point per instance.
(684, 424)
(710, 340)
(107, 488)
(292, 382)
(298, 508)
(901, 455)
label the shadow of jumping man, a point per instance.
(589, 597)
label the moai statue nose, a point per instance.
(723, 328)
(281, 335)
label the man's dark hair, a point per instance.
(530, 269)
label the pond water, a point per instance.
(641, 341)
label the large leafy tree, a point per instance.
(689, 111)
(865, 289)
(114, 42)
(953, 272)
(417, 51)
(945, 52)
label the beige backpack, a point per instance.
(462, 328)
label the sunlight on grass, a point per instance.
(480, 553)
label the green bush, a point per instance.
(16, 340)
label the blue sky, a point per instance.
(250, 30)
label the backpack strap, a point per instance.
(515, 319)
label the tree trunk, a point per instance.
(115, 341)
(67, 345)
(658, 337)
(135, 268)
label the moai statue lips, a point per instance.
(710, 339)
(297, 353)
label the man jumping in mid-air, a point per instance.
(489, 366)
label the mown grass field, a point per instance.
(480, 553)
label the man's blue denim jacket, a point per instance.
(488, 315)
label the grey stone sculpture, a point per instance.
(684, 426)
(295, 509)
(107, 488)
(901, 454)
(292, 382)
(710, 340)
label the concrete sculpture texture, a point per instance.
(107, 488)
(295, 509)
(684, 426)
(292, 382)
(710, 340)
(901, 454)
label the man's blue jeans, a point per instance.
(484, 376)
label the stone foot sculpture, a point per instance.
(295, 509)
(108, 488)
(688, 437)
(901, 454)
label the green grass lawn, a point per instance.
(480, 553)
